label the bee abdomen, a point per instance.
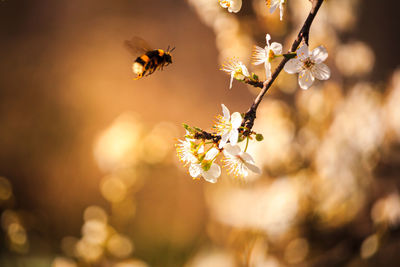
(141, 61)
(145, 58)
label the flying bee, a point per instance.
(148, 60)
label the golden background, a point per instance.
(89, 175)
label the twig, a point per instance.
(207, 136)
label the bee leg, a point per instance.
(144, 72)
(152, 70)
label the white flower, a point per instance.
(236, 69)
(238, 162)
(232, 5)
(207, 168)
(309, 66)
(266, 55)
(227, 126)
(273, 4)
(186, 151)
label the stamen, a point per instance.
(308, 63)
(226, 3)
(222, 125)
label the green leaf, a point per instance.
(254, 76)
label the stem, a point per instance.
(247, 144)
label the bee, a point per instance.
(149, 60)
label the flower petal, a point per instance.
(305, 79)
(276, 48)
(319, 54)
(267, 38)
(224, 140)
(259, 56)
(245, 71)
(226, 112)
(212, 174)
(195, 170)
(244, 172)
(293, 66)
(273, 7)
(247, 157)
(201, 150)
(321, 71)
(233, 137)
(268, 73)
(230, 150)
(211, 154)
(236, 120)
(236, 5)
(252, 167)
(231, 81)
(302, 52)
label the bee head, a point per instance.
(168, 57)
(168, 54)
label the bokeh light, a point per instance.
(119, 246)
(5, 189)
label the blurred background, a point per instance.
(88, 171)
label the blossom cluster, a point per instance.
(309, 64)
(199, 150)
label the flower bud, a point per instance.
(259, 137)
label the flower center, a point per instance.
(308, 63)
(271, 55)
(235, 165)
(225, 3)
(206, 165)
(238, 71)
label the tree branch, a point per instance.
(250, 115)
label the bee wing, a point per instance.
(137, 46)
